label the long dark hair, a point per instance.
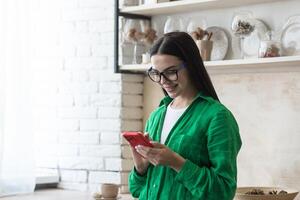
(182, 45)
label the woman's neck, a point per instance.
(183, 101)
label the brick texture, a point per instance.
(84, 105)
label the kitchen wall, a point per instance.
(267, 108)
(266, 105)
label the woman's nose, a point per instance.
(162, 79)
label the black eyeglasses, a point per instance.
(169, 74)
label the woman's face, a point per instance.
(168, 64)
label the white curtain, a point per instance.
(17, 168)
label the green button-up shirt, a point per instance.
(207, 136)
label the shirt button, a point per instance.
(154, 185)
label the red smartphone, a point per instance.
(136, 138)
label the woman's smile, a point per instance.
(170, 88)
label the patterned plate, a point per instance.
(220, 43)
(290, 39)
(252, 42)
(290, 36)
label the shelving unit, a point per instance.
(289, 63)
(187, 6)
(118, 14)
(277, 64)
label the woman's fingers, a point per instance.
(153, 162)
(141, 150)
(146, 134)
(157, 144)
(157, 155)
(147, 152)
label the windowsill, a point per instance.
(46, 178)
(59, 194)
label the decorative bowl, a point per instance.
(247, 193)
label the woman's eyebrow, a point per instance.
(169, 68)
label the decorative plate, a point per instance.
(252, 42)
(290, 39)
(290, 36)
(220, 42)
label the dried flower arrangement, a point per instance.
(243, 28)
(133, 35)
(199, 34)
(261, 192)
(147, 37)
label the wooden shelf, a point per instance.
(261, 65)
(187, 6)
(136, 68)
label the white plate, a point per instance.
(252, 42)
(292, 20)
(290, 39)
(220, 43)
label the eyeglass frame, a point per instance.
(181, 66)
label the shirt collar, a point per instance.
(167, 100)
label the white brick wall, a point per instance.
(132, 125)
(111, 137)
(82, 163)
(118, 164)
(109, 112)
(74, 186)
(126, 152)
(106, 99)
(132, 113)
(105, 177)
(82, 105)
(73, 176)
(95, 63)
(132, 100)
(100, 150)
(132, 88)
(90, 124)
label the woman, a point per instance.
(196, 138)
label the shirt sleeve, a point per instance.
(136, 181)
(223, 143)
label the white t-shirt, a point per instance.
(172, 115)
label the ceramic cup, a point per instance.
(205, 48)
(109, 190)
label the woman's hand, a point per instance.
(161, 155)
(140, 163)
